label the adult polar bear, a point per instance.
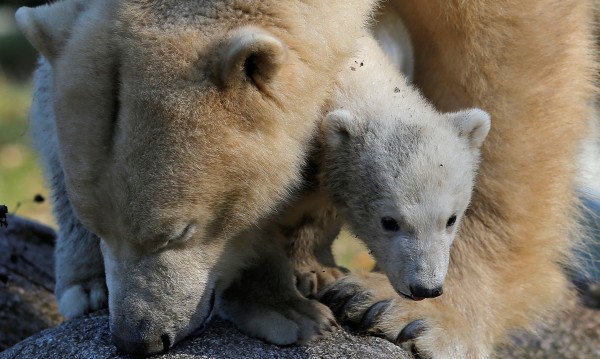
(535, 77)
(211, 88)
(531, 65)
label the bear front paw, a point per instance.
(291, 321)
(311, 280)
(428, 329)
(82, 298)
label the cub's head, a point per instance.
(179, 125)
(403, 182)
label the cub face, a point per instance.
(404, 186)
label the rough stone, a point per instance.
(27, 303)
(89, 338)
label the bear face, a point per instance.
(179, 125)
(401, 173)
(404, 186)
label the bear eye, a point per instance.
(451, 221)
(390, 224)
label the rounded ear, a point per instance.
(473, 124)
(47, 27)
(339, 126)
(250, 54)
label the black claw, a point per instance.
(338, 293)
(341, 309)
(411, 331)
(372, 315)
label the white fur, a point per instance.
(74, 302)
(394, 39)
(389, 153)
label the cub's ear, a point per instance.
(474, 124)
(47, 27)
(250, 53)
(339, 126)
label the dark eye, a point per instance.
(390, 224)
(451, 221)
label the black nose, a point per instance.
(142, 347)
(418, 291)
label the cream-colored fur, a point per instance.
(396, 170)
(168, 128)
(382, 152)
(531, 65)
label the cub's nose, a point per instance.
(142, 347)
(419, 292)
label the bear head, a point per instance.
(180, 124)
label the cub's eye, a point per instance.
(390, 224)
(451, 221)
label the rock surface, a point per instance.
(89, 338)
(27, 303)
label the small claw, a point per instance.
(372, 315)
(340, 309)
(411, 331)
(338, 293)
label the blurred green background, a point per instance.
(20, 175)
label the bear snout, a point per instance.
(418, 292)
(134, 344)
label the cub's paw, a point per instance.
(264, 303)
(312, 279)
(428, 329)
(281, 321)
(83, 297)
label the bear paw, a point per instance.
(283, 322)
(292, 322)
(428, 329)
(82, 298)
(311, 280)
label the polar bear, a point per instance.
(166, 129)
(532, 66)
(397, 171)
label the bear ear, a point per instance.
(339, 126)
(474, 124)
(47, 27)
(250, 54)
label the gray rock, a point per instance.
(89, 337)
(27, 303)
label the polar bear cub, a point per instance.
(396, 170)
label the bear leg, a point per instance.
(265, 304)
